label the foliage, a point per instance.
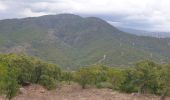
(145, 77)
(99, 75)
(128, 84)
(16, 70)
(104, 85)
(67, 76)
(142, 78)
(84, 77)
(8, 81)
(164, 80)
(70, 40)
(48, 82)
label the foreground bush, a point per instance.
(48, 82)
(164, 80)
(17, 70)
(104, 85)
(67, 76)
(84, 77)
(8, 81)
(144, 77)
(99, 76)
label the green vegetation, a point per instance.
(73, 41)
(164, 80)
(8, 81)
(20, 70)
(145, 77)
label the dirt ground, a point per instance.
(74, 92)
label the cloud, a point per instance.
(3, 7)
(29, 13)
(140, 14)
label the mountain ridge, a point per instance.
(145, 33)
(73, 41)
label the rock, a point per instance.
(135, 94)
(22, 91)
(42, 91)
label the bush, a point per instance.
(8, 81)
(48, 82)
(164, 80)
(84, 77)
(145, 77)
(141, 78)
(104, 85)
(12, 88)
(67, 76)
(17, 70)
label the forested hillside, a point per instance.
(72, 41)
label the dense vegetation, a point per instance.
(20, 70)
(145, 77)
(73, 41)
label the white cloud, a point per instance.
(3, 7)
(118, 24)
(142, 13)
(28, 13)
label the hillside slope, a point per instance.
(72, 41)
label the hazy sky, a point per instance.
(139, 14)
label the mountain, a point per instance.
(72, 41)
(145, 33)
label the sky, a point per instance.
(151, 15)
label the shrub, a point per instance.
(8, 81)
(48, 82)
(67, 76)
(128, 85)
(141, 78)
(104, 85)
(164, 81)
(17, 70)
(84, 77)
(11, 88)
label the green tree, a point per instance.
(67, 76)
(84, 77)
(8, 81)
(128, 83)
(164, 80)
(146, 76)
(115, 77)
(49, 82)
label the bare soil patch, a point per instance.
(75, 92)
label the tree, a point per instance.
(11, 88)
(3, 75)
(145, 76)
(49, 82)
(29, 70)
(67, 76)
(128, 85)
(8, 81)
(164, 80)
(115, 77)
(84, 77)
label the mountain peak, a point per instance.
(71, 40)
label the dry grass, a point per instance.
(74, 92)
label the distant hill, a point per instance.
(145, 33)
(72, 41)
